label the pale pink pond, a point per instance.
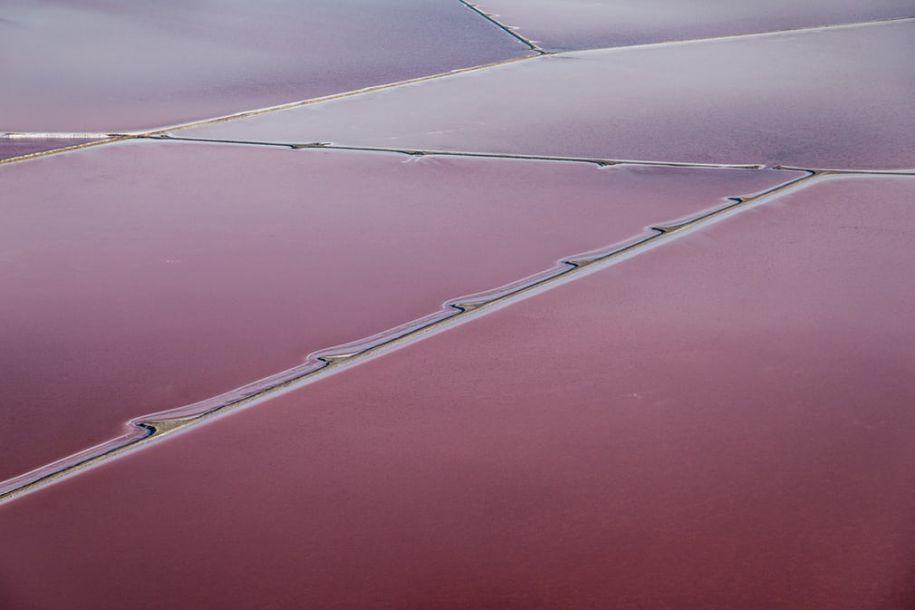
(146, 276)
(831, 99)
(723, 421)
(583, 24)
(101, 65)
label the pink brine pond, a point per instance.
(721, 421)
(146, 276)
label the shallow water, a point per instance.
(116, 66)
(829, 99)
(146, 276)
(588, 24)
(725, 420)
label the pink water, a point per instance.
(724, 421)
(147, 276)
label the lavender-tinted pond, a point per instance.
(583, 24)
(97, 65)
(16, 147)
(829, 99)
